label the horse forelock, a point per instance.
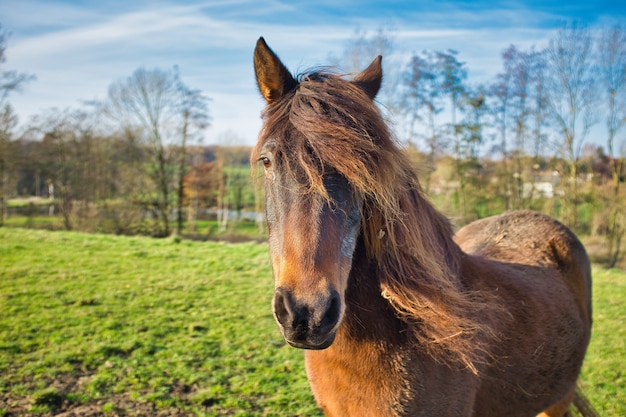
(327, 122)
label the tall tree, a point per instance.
(467, 164)
(362, 48)
(538, 123)
(229, 179)
(421, 101)
(500, 94)
(71, 161)
(159, 108)
(10, 82)
(518, 109)
(453, 78)
(195, 118)
(572, 102)
(612, 63)
(358, 53)
(538, 103)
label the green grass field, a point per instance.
(150, 326)
(131, 326)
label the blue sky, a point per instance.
(76, 49)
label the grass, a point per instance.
(138, 326)
(35, 222)
(203, 230)
(138, 322)
(604, 373)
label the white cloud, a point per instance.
(213, 54)
(77, 51)
(38, 16)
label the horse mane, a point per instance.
(327, 122)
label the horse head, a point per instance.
(314, 212)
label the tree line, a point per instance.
(133, 162)
(129, 164)
(523, 139)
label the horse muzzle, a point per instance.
(307, 325)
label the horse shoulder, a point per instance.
(356, 379)
(371, 379)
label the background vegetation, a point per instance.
(546, 133)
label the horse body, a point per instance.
(399, 316)
(533, 367)
(542, 273)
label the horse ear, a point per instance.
(371, 77)
(272, 77)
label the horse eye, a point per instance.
(266, 161)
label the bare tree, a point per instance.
(453, 78)
(70, 160)
(571, 97)
(227, 178)
(500, 94)
(538, 104)
(157, 105)
(10, 82)
(195, 118)
(527, 119)
(519, 66)
(518, 110)
(358, 53)
(612, 63)
(421, 101)
(362, 48)
(8, 121)
(470, 137)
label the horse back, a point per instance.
(535, 240)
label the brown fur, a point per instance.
(494, 321)
(418, 266)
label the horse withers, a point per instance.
(399, 316)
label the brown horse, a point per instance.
(398, 316)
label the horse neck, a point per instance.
(423, 260)
(369, 316)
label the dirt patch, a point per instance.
(119, 405)
(57, 400)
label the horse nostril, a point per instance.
(283, 309)
(331, 316)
